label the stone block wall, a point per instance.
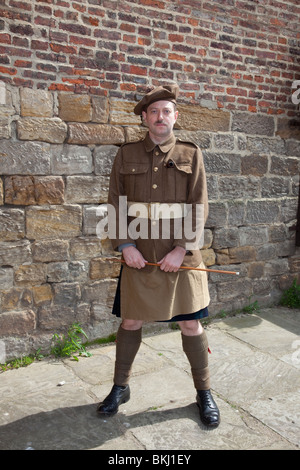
(70, 75)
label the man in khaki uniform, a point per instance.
(163, 183)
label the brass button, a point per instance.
(133, 170)
(155, 169)
(157, 153)
(154, 186)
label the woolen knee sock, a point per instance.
(127, 345)
(196, 350)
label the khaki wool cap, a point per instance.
(161, 93)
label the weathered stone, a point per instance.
(253, 235)
(19, 190)
(236, 212)
(217, 215)
(208, 239)
(225, 238)
(85, 248)
(15, 253)
(103, 268)
(276, 267)
(17, 323)
(242, 254)
(224, 141)
(262, 212)
(208, 257)
(266, 145)
(6, 113)
(49, 190)
(91, 217)
(30, 190)
(58, 272)
(36, 103)
(89, 134)
(134, 134)
(6, 278)
(54, 221)
(292, 148)
(71, 160)
(288, 128)
(1, 193)
(256, 165)
(31, 274)
(52, 130)
(74, 107)
(249, 123)
(10, 300)
(12, 224)
(200, 138)
(222, 163)
(66, 293)
(236, 255)
(42, 294)
(286, 248)
(289, 207)
(24, 158)
(285, 166)
(267, 251)
(78, 271)
(278, 233)
(106, 247)
(67, 272)
(2, 93)
(228, 291)
(104, 157)
(212, 187)
(277, 186)
(100, 109)
(46, 251)
(294, 264)
(86, 189)
(121, 113)
(101, 292)
(239, 187)
(194, 118)
(56, 317)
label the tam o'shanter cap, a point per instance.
(161, 93)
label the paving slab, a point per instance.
(51, 405)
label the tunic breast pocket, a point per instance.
(182, 172)
(135, 181)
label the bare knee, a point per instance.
(190, 327)
(132, 324)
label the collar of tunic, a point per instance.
(165, 147)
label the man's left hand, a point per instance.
(173, 260)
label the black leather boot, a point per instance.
(209, 412)
(110, 405)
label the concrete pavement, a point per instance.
(255, 375)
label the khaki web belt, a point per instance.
(157, 210)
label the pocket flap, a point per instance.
(186, 167)
(133, 168)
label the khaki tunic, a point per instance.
(142, 173)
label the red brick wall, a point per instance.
(240, 55)
(70, 74)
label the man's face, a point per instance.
(160, 118)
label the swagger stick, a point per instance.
(184, 267)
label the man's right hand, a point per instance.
(133, 257)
